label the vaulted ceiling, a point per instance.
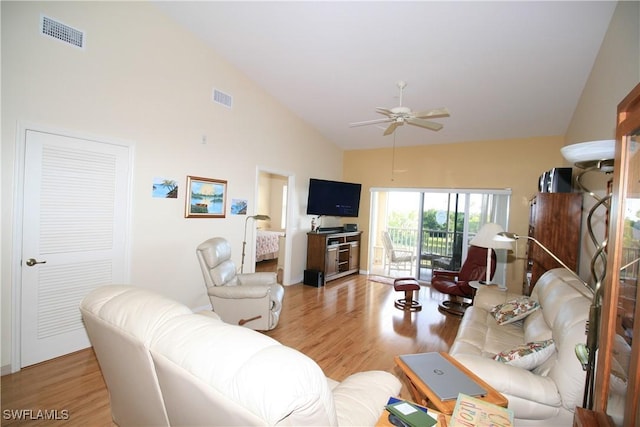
(504, 70)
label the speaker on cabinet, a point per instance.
(559, 180)
(543, 182)
(556, 180)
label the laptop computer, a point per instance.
(441, 376)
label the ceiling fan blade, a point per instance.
(424, 124)
(370, 122)
(385, 111)
(432, 114)
(391, 128)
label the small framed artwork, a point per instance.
(165, 188)
(206, 198)
(238, 206)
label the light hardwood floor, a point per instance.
(349, 325)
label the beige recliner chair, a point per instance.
(252, 299)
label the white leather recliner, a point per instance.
(252, 299)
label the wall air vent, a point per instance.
(59, 31)
(222, 98)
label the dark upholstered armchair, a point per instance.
(456, 283)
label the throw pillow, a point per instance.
(527, 356)
(514, 310)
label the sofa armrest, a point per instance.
(512, 380)
(360, 399)
(260, 278)
(239, 292)
(447, 274)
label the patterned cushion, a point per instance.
(527, 356)
(514, 310)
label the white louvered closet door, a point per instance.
(76, 207)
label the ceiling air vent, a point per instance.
(222, 98)
(59, 31)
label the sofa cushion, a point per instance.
(479, 334)
(514, 310)
(527, 356)
(535, 328)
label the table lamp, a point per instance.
(244, 241)
(485, 238)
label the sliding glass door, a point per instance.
(431, 227)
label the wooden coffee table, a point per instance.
(423, 395)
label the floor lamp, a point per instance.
(593, 156)
(244, 240)
(485, 239)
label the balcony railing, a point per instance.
(434, 242)
(438, 243)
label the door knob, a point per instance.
(32, 261)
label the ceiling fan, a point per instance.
(397, 116)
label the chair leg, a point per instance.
(408, 303)
(454, 306)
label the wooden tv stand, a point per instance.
(335, 254)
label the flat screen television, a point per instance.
(333, 198)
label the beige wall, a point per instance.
(143, 79)
(514, 164)
(615, 72)
(517, 164)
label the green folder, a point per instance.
(410, 414)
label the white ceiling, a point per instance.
(503, 69)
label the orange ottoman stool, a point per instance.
(407, 285)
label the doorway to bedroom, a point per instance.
(271, 243)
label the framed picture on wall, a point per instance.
(206, 198)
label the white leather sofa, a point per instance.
(164, 365)
(545, 395)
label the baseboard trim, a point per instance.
(5, 370)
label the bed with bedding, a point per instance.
(267, 246)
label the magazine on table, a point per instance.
(470, 411)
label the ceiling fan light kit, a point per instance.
(398, 116)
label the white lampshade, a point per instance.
(584, 153)
(485, 237)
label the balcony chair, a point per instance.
(251, 299)
(456, 283)
(401, 259)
